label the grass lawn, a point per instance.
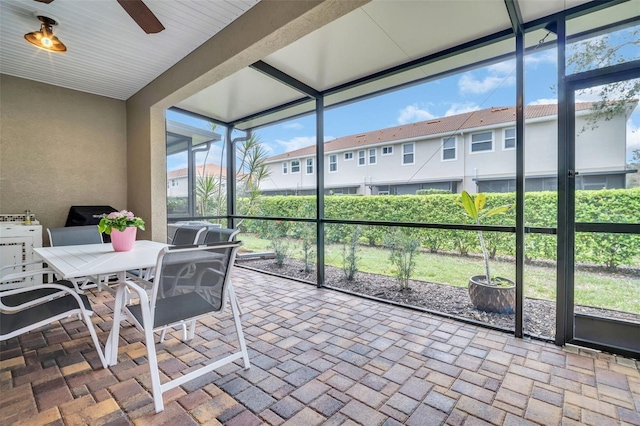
(602, 290)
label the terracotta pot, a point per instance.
(491, 298)
(124, 240)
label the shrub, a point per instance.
(403, 247)
(276, 232)
(350, 254)
(432, 191)
(619, 205)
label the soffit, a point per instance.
(245, 92)
(376, 37)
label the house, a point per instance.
(473, 151)
(178, 179)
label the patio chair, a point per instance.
(79, 235)
(217, 235)
(12, 276)
(187, 235)
(191, 283)
(74, 235)
(28, 308)
(213, 235)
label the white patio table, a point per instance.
(78, 261)
(99, 259)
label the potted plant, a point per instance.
(122, 226)
(488, 294)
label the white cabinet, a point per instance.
(16, 246)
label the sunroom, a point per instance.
(533, 105)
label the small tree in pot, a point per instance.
(497, 295)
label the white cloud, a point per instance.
(469, 84)
(412, 113)
(549, 56)
(502, 68)
(458, 108)
(297, 142)
(295, 126)
(543, 101)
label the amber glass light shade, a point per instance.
(44, 39)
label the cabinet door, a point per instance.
(15, 251)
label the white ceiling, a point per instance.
(108, 54)
(375, 37)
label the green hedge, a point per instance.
(611, 250)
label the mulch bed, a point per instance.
(539, 315)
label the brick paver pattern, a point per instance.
(319, 357)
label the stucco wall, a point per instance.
(58, 148)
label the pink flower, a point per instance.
(113, 215)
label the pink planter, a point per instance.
(123, 240)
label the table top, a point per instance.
(99, 259)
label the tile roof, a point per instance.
(208, 169)
(468, 120)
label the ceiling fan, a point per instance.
(139, 12)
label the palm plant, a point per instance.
(206, 187)
(251, 170)
(476, 210)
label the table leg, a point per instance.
(111, 348)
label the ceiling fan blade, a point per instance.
(44, 1)
(143, 16)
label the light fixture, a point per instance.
(44, 39)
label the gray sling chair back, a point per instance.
(79, 235)
(184, 236)
(28, 308)
(190, 283)
(217, 235)
(187, 235)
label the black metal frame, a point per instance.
(587, 330)
(565, 224)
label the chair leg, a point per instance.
(192, 330)
(94, 337)
(163, 334)
(152, 358)
(236, 319)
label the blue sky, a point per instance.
(475, 89)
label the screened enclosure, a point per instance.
(349, 172)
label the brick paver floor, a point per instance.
(318, 357)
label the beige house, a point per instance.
(474, 151)
(178, 180)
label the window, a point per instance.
(509, 138)
(449, 149)
(173, 182)
(333, 163)
(407, 154)
(482, 142)
(361, 158)
(500, 185)
(285, 168)
(372, 156)
(295, 166)
(348, 156)
(309, 166)
(387, 150)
